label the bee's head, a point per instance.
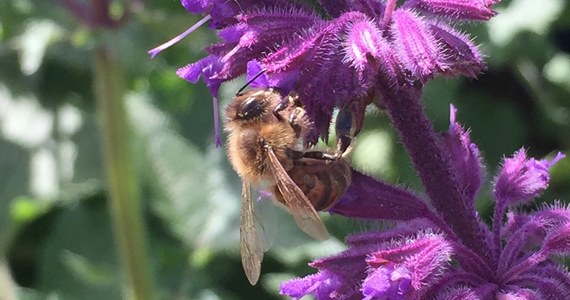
(251, 105)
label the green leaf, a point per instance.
(194, 195)
(87, 271)
(79, 260)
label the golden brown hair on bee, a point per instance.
(265, 143)
(253, 126)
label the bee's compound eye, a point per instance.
(251, 108)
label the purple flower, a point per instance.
(522, 179)
(359, 52)
(340, 58)
(424, 257)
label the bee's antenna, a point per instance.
(250, 81)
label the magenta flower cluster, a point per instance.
(335, 58)
(351, 53)
(421, 257)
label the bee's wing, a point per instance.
(300, 207)
(266, 217)
(250, 245)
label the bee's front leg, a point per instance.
(281, 106)
(286, 102)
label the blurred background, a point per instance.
(57, 238)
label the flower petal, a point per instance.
(314, 62)
(483, 292)
(459, 54)
(369, 198)
(465, 157)
(256, 33)
(454, 9)
(401, 230)
(425, 256)
(387, 283)
(364, 43)
(321, 284)
(531, 232)
(520, 294)
(415, 46)
(543, 285)
(558, 241)
(521, 179)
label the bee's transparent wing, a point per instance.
(299, 206)
(250, 246)
(266, 216)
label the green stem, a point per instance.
(122, 181)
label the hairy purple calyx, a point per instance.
(338, 59)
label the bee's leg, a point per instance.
(290, 100)
(281, 106)
(321, 155)
(294, 154)
(344, 137)
(297, 155)
(294, 117)
(343, 130)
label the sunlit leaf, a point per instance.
(24, 209)
(504, 26)
(79, 259)
(34, 42)
(87, 271)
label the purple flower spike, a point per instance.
(454, 9)
(465, 157)
(368, 51)
(405, 262)
(340, 61)
(522, 179)
(416, 47)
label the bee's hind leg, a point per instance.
(321, 155)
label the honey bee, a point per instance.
(266, 145)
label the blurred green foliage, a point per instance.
(56, 238)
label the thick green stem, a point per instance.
(121, 178)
